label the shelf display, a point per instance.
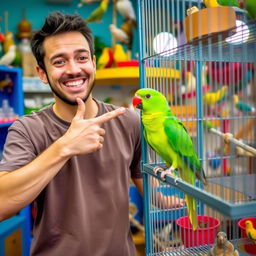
(11, 99)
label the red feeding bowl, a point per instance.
(205, 234)
(249, 247)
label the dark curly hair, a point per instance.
(56, 23)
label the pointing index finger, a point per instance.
(110, 115)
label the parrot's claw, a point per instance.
(158, 169)
(164, 172)
(176, 180)
(170, 171)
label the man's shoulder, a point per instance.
(35, 117)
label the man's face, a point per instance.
(70, 70)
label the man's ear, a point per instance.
(42, 75)
(94, 62)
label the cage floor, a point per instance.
(199, 250)
(202, 251)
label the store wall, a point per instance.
(36, 10)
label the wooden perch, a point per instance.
(229, 138)
(242, 152)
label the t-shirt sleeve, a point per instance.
(18, 149)
(136, 162)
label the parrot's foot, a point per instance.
(170, 171)
(164, 172)
(158, 169)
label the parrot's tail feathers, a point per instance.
(192, 212)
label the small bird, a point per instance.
(9, 56)
(119, 53)
(165, 232)
(250, 7)
(216, 3)
(168, 137)
(192, 10)
(97, 14)
(250, 231)
(222, 247)
(211, 98)
(6, 83)
(190, 81)
(8, 41)
(118, 34)
(125, 8)
(127, 27)
(2, 37)
(233, 3)
(211, 3)
(242, 106)
(106, 59)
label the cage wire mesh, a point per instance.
(202, 58)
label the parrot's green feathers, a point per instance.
(180, 140)
(156, 108)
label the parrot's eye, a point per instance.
(147, 96)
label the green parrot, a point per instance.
(228, 3)
(167, 136)
(250, 6)
(216, 3)
(97, 14)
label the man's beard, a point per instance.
(64, 98)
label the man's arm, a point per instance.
(20, 187)
(138, 182)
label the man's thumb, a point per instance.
(80, 109)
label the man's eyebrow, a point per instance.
(59, 55)
(82, 50)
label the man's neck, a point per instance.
(67, 112)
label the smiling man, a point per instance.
(74, 159)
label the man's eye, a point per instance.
(58, 62)
(83, 58)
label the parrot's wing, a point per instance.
(181, 142)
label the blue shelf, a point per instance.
(9, 227)
(15, 97)
(16, 100)
(2, 125)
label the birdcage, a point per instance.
(202, 56)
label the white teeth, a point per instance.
(74, 83)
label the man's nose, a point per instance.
(73, 68)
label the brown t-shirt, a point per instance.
(84, 209)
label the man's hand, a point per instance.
(86, 135)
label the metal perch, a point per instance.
(228, 137)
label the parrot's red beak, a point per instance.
(137, 102)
